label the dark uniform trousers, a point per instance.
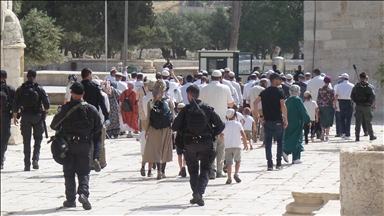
(79, 155)
(195, 152)
(31, 121)
(346, 111)
(5, 133)
(363, 113)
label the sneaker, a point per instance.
(279, 167)
(183, 172)
(237, 179)
(27, 168)
(84, 200)
(220, 175)
(68, 204)
(129, 135)
(337, 135)
(158, 175)
(297, 162)
(96, 165)
(285, 157)
(343, 136)
(326, 139)
(372, 138)
(150, 174)
(192, 201)
(347, 138)
(35, 164)
(212, 175)
(198, 199)
(142, 171)
(269, 168)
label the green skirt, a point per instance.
(326, 116)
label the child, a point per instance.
(248, 125)
(232, 135)
(180, 152)
(312, 109)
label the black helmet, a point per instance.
(59, 150)
(72, 77)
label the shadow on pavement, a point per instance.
(162, 207)
(37, 212)
(327, 150)
(48, 177)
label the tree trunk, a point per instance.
(174, 53)
(122, 52)
(235, 24)
(166, 53)
(296, 51)
(181, 52)
(141, 51)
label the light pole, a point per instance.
(106, 37)
(125, 33)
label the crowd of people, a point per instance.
(206, 119)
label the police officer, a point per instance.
(29, 97)
(8, 95)
(77, 129)
(363, 106)
(93, 96)
(198, 147)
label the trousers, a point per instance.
(363, 113)
(195, 152)
(97, 142)
(5, 133)
(308, 129)
(273, 129)
(346, 111)
(218, 145)
(78, 164)
(102, 158)
(260, 130)
(29, 122)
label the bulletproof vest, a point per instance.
(78, 122)
(361, 93)
(196, 120)
(29, 98)
(5, 100)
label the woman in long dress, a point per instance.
(130, 117)
(325, 101)
(113, 129)
(297, 117)
(159, 147)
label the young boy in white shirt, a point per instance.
(248, 125)
(233, 134)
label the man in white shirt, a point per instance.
(121, 86)
(198, 81)
(253, 94)
(183, 88)
(315, 83)
(219, 97)
(139, 81)
(112, 76)
(229, 84)
(204, 80)
(166, 74)
(237, 87)
(247, 88)
(343, 95)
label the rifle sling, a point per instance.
(70, 112)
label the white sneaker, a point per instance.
(285, 157)
(342, 136)
(347, 138)
(297, 162)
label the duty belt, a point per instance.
(196, 138)
(76, 139)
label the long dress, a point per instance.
(113, 129)
(293, 134)
(159, 147)
(130, 117)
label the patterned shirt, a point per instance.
(326, 96)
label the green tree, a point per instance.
(217, 29)
(42, 39)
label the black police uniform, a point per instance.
(6, 116)
(93, 96)
(77, 130)
(198, 148)
(31, 119)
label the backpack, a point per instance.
(160, 115)
(29, 98)
(127, 106)
(196, 120)
(361, 93)
(5, 102)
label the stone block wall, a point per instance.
(346, 34)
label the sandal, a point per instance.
(229, 181)
(237, 179)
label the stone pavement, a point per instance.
(120, 190)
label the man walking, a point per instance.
(219, 97)
(253, 95)
(29, 97)
(274, 118)
(77, 130)
(343, 95)
(247, 88)
(93, 96)
(363, 96)
(7, 98)
(198, 124)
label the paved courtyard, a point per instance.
(120, 190)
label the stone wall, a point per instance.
(346, 34)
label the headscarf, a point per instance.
(131, 85)
(294, 90)
(158, 89)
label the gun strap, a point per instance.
(70, 112)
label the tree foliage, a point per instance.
(42, 39)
